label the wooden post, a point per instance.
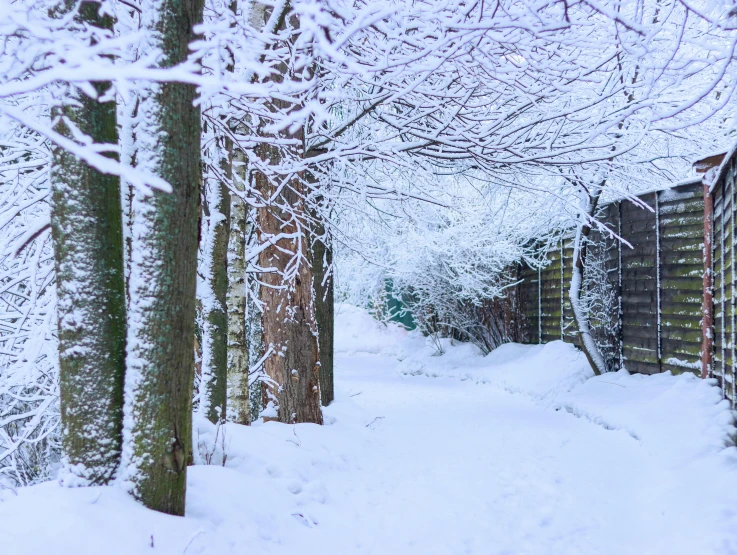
(658, 292)
(702, 168)
(539, 305)
(707, 328)
(620, 313)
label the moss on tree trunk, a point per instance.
(158, 395)
(88, 250)
(215, 314)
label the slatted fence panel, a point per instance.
(655, 322)
(529, 296)
(551, 301)
(681, 214)
(724, 279)
(640, 287)
(570, 330)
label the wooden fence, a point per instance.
(723, 269)
(655, 284)
(665, 311)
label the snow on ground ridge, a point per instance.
(558, 375)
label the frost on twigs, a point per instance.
(29, 371)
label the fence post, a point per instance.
(562, 286)
(702, 168)
(620, 312)
(539, 305)
(657, 281)
(707, 322)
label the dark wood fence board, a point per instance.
(724, 281)
(661, 273)
(659, 279)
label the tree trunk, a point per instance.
(88, 250)
(590, 349)
(157, 431)
(237, 298)
(288, 319)
(215, 236)
(254, 332)
(321, 261)
(289, 329)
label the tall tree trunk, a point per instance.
(237, 298)
(321, 261)
(289, 329)
(254, 332)
(88, 250)
(254, 337)
(590, 349)
(215, 236)
(292, 393)
(157, 430)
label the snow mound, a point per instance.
(256, 489)
(356, 331)
(675, 417)
(678, 418)
(47, 518)
(540, 371)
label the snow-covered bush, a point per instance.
(599, 297)
(451, 262)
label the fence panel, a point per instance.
(529, 298)
(681, 213)
(551, 305)
(723, 268)
(568, 322)
(654, 321)
(657, 281)
(640, 287)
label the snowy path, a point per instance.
(468, 468)
(519, 452)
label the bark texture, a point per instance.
(88, 250)
(237, 299)
(159, 377)
(321, 260)
(214, 304)
(254, 337)
(590, 349)
(288, 318)
(289, 331)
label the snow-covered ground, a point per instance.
(521, 451)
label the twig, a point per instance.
(374, 420)
(189, 543)
(611, 383)
(298, 443)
